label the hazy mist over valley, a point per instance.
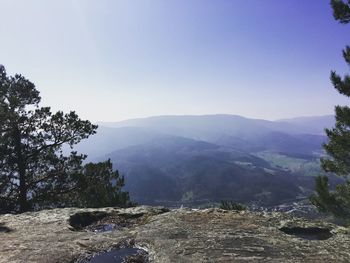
(201, 160)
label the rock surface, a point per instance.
(182, 235)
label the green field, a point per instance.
(305, 167)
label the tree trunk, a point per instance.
(22, 198)
(23, 202)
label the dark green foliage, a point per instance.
(99, 185)
(341, 10)
(339, 137)
(339, 144)
(34, 173)
(337, 202)
(231, 205)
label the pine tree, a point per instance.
(34, 173)
(337, 202)
(99, 186)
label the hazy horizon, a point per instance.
(214, 114)
(117, 60)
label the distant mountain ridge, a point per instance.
(300, 135)
(201, 159)
(228, 123)
(313, 124)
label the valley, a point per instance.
(198, 161)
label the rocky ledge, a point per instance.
(181, 235)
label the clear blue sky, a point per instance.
(113, 60)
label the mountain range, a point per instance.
(196, 160)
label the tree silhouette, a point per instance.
(33, 170)
(337, 202)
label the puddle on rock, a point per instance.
(120, 255)
(308, 233)
(104, 228)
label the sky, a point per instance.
(111, 60)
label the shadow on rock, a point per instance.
(4, 229)
(106, 222)
(308, 233)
